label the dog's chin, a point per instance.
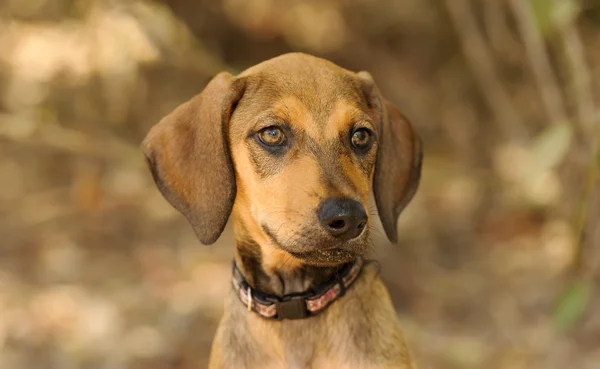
(329, 253)
(327, 257)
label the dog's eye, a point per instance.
(272, 136)
(361, 139)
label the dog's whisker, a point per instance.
(287, 260)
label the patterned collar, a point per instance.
(297, 305)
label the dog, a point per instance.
(290, 150)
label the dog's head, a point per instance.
(293, 146)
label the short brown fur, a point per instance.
(209, 163)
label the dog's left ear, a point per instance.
(399, 156)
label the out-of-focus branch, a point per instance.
(580, 76)
(540, 63)
(76, 142)
(497, 30)
(480, 61)
(587, 260)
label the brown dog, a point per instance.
(291, 148)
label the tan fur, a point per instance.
(209, 163)
(321, 342)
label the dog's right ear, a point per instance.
(188, 155)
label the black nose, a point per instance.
(342, 217)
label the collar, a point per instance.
(297, 305)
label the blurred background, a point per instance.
(498, 256)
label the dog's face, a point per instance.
(304, 165)
(293, 145)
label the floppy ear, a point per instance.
(188, 156)
(399, 156)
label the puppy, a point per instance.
(290, 150)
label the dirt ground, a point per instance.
(98, 271)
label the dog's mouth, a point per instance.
(315, 249)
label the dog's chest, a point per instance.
(295, 344)
(354, 332)
(316, 344)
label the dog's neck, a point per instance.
(280, 275)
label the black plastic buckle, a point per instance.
(293, 308)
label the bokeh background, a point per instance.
(498, 257)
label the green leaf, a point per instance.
(565, 11)
(551, 13)
(542, 10)
(572, 304)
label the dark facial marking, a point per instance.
(270, 234)
(265, 164)
(250, 258)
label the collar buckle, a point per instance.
(292, 308)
